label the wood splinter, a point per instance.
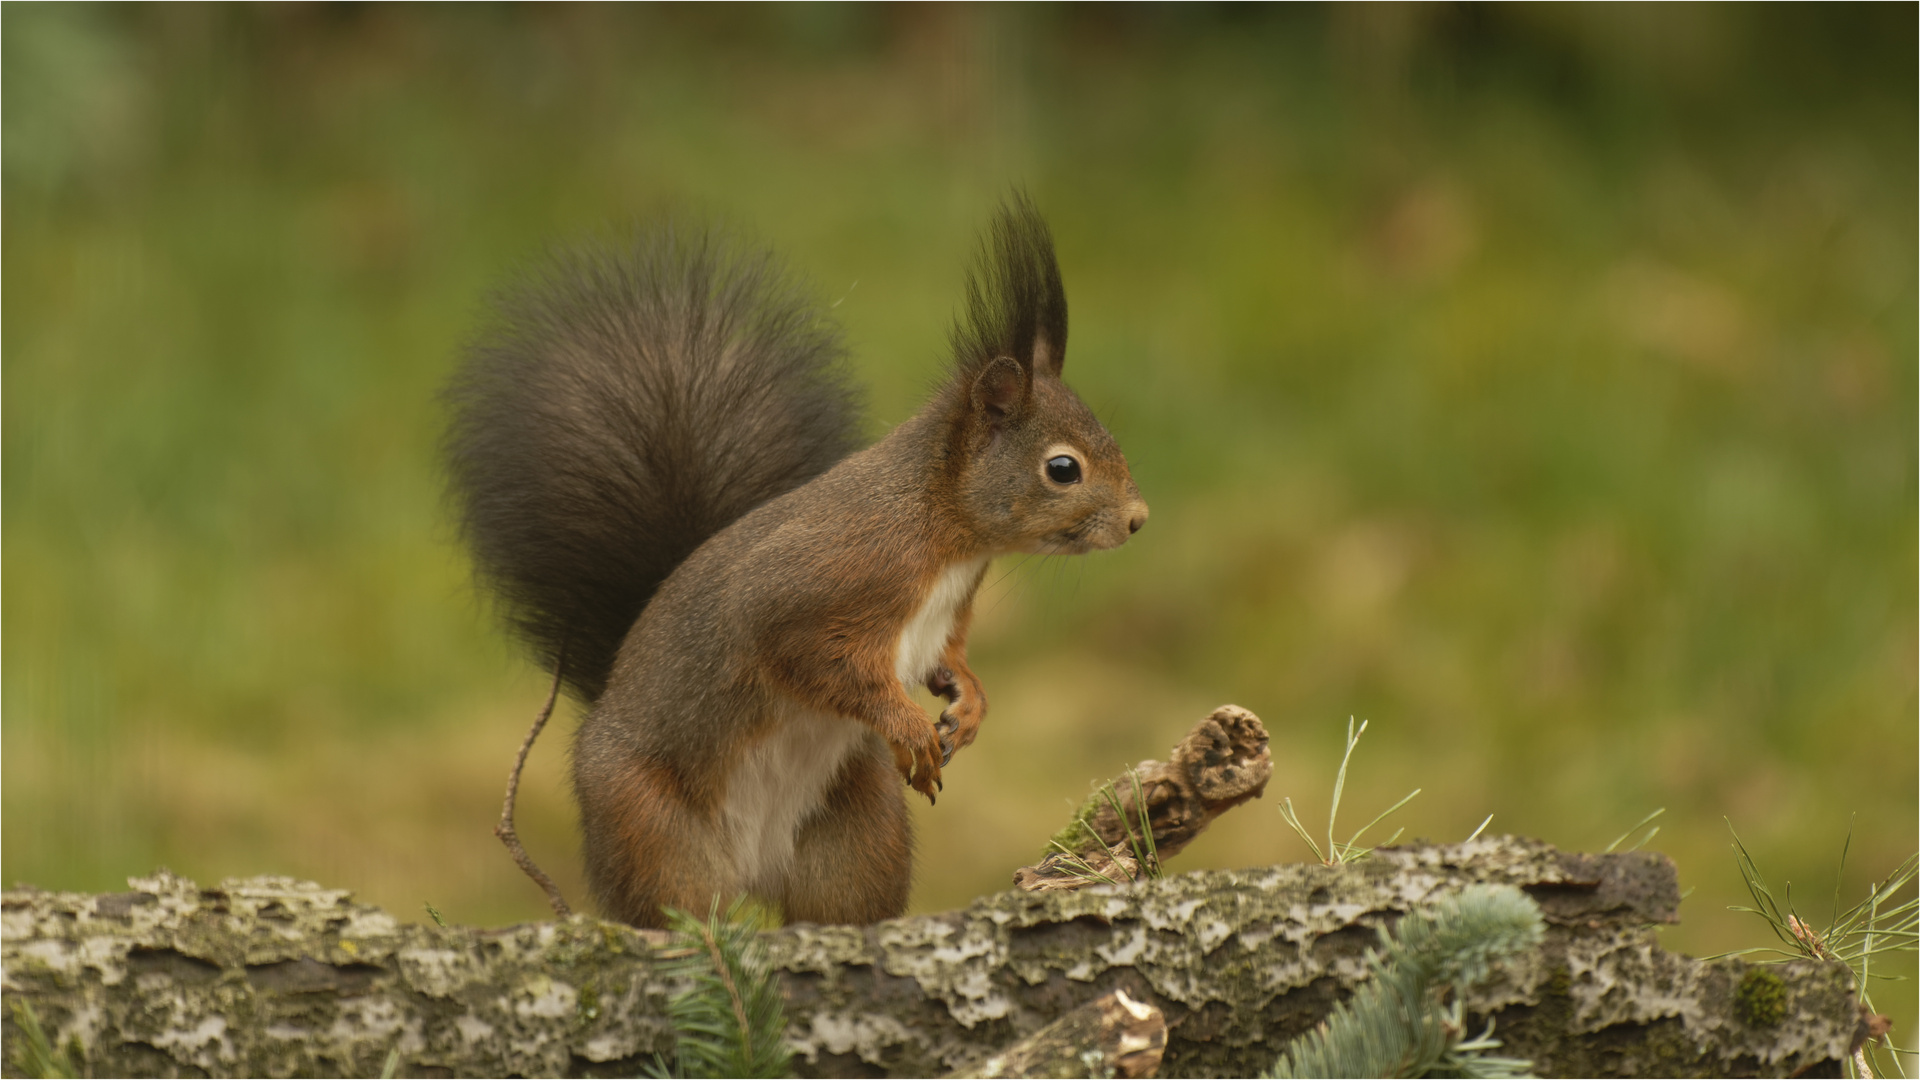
(1112, 1035)
(1222, 763)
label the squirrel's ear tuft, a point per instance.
(1016, 306)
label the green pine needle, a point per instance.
(1079, 864)
(1396, 1024)
(1337, 853)
(1623, 837)
(731, 1020)
(1886, 922)
(33, 1054)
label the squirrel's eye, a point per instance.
(1063, 470)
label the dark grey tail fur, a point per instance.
(624, 404)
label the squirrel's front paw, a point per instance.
(941, 683)
(916, 753)
(958, 725)
(959, 722)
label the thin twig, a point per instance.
(504, 830)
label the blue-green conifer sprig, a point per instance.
(1402, 1022)
(730, 1020)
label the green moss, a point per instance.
(1761, 999)
(612, 938)
(587, 1008)
(1077, 834)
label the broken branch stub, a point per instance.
(1222, 762)
(1112, 1035)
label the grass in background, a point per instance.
(1538, 383)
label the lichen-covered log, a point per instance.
(271, 977)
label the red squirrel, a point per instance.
(652, 455)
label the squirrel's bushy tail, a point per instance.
(624, 403)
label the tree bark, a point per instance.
(274, 977)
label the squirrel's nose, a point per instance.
(1138, 518)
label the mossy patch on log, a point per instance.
(1761, 999)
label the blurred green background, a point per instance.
(1537, 383)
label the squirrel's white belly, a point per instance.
(778, 783)
(784, 777)
(925, 636)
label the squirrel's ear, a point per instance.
(999, 391)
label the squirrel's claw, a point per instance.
(946, 726)
(947, 747)
(918, 760)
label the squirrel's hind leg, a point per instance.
(646, 849)
(853, 856)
